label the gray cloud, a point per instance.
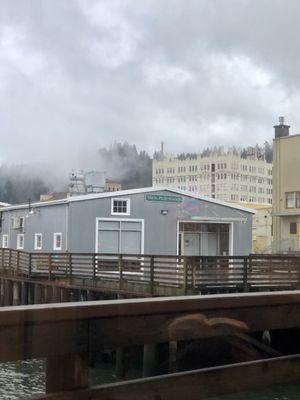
(77, 75)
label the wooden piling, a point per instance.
(16, 297)
(172, 356)
(67, 372)
(2, 290)
(120, 362)
(24, 294)
(56, 294)
(38, 294)
(8, 292)
(149, 360)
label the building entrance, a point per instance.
(203, 239)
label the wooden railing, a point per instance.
(157, 274)
(65, 334)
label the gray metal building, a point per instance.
(146, 221)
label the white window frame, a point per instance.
(120, 199)
(20, 246)
(36, 247)
(55, 235)
(23, 222)
(5, 238)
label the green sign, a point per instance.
(162, 197)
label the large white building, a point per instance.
(226, 175)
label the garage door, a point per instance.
(120, 236)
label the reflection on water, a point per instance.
(21, 379)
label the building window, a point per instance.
(5, 241)
(120, 206)
(292, 200)
(120, 236)
(57, 241)
(293, 228)
(20, 241)
(21, 222)
(38, 241)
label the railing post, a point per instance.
(70, 267)
(18, 262)
(298, 273)
(185, 275)
(2, 259)
(9, 260)
(245, 275)
(151, 282)
(94, 268)
(29, 264)
(120, 265)
(49, 266)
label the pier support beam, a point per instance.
(24, 293)
(2, 291)
(65, 295)
(38, 294)
(8, 293)
(48, 294)
(30, 290)
(56, 298)
(16, 294)
(149, 360)
(120, 362)
(67, 372)
(172, 356)
(90, 295)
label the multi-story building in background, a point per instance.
(230, 175)
(261, 227)
(112, 186)
(286, 189)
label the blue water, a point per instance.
(23, 379)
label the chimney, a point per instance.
(281, 130)
(162, 148)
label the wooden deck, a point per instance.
(155, 275)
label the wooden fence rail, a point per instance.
(65, 334)
(158, 274)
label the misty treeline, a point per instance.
(262, 152)
(18, 185)
(121, 162)
(124, 163)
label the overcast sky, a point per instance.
(79, 74)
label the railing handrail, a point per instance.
(187, 273)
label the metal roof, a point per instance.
(128, 192)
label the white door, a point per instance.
(192, 244)
(209, 244)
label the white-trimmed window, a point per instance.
(57, 241)
(5, 241)
(38, 241)
(21, 222)
(120, 206)
(20, 241)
